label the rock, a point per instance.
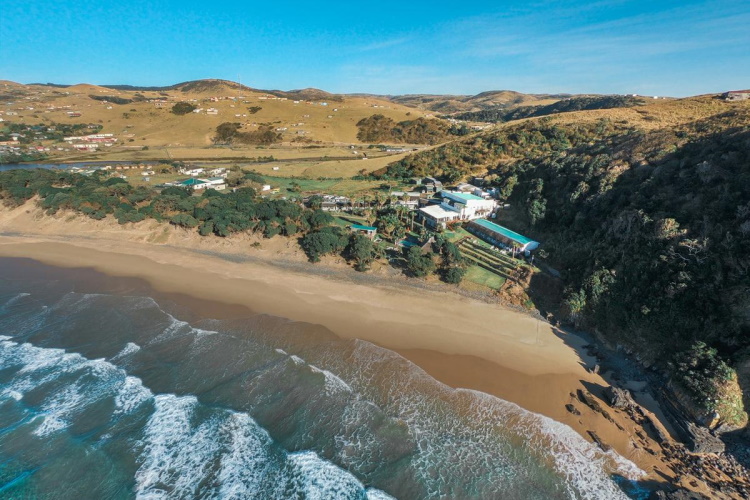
(702, 441)
(604, 446)
(680, 494)
(661, 437)
(619, 398)
(572, 409)
(588, 399)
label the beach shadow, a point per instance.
(618, 371)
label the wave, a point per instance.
(184, 449)
(222, 404)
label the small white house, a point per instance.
(191, 171)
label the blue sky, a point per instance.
(652, 47)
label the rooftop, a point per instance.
(192, 182)
(438, 212)
(462, 196)
(504, 231)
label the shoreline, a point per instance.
(458, 340)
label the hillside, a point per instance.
(567, 105)
(646, 213)
(141, 120)
(495, 99)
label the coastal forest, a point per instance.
(648, 228)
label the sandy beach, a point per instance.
(462, 342)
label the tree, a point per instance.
(362, 251)
(454, 274)
(419, 264)
(183, 108)
(506, 189)
(326, 241)
(225, 132)
(184, 220)
(319, 218)
(235, 178)
(701, 371)
(315, 201)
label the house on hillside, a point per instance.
(736, 95)
(430, 185)
(191, 171)
(408, 199)
(193, 183)
(217, 183)
(496, 234)
(369, 231)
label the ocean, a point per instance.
(110, 390)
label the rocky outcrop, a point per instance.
(619, 398)
(700, 440)
(677, 495)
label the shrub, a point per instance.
(183, 108)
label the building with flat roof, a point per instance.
(438, 216)
(469, 206)
(496, 234)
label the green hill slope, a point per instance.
(649, 227)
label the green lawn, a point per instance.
(480, 276)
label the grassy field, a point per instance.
(342, 187)
(482, 277)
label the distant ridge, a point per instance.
(445, 104)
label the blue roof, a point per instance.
(191, 182)
(464, 196)
(504, 231)
(364, 228)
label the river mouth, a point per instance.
(154, 395)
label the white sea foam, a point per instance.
(87, 381)
(245, 470)
(318, 479)
(373, 494)
(130, 348)
(131, 395)
(333, 384)
(174, 454)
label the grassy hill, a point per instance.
(304, 117)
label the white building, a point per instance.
(437, 216)
(469, 206)
(193, 172)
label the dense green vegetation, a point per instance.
(229, 132)
(563, 106)
(210, 213)
(183, 108)
(379, 128)
(112, 99)
(650, 229)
